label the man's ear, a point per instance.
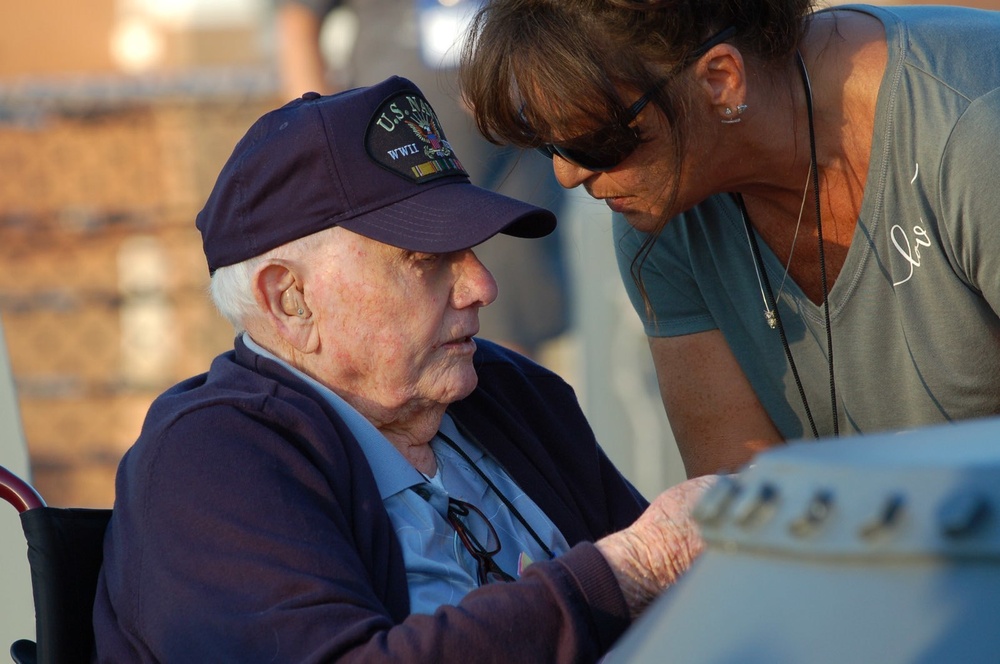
(721, 77)
(280, 293)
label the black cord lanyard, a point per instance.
(506, 501)
(822, 264)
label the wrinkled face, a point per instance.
(395, 326)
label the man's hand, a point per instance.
(652, 553)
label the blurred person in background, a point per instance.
(361, 479)
(805, 203)
(416, 40)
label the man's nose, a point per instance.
(475, 285)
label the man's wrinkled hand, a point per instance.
(651, 554)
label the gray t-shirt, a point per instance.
(916, 335)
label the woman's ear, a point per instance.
(280, 293)
(721, 76)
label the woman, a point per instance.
(842, 164)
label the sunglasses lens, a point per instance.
(547, 149)
(604, 149)
(595, 160)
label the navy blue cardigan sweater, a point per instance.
(248, 528)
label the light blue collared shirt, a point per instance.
(439, 570)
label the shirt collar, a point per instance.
(450, 429)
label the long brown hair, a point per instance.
(533, 67)
(534, 71)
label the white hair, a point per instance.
(232, 287)
(232, 291)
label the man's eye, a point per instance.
(426, 258)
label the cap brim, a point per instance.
(450, 217)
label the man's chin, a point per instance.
(460, 382)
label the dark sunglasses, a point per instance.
(487, 569)
(611, 145)
(607, 147)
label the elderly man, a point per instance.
(361, 479)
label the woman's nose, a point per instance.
(569, 174)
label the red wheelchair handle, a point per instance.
(18, 493)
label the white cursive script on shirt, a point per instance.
(909, 252)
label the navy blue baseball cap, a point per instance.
(373, 160)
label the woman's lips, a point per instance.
(617, 203)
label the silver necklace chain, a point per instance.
(769, 315)
(795, 237)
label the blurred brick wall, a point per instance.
(102, 294)
(55, 36)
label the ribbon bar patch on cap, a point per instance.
(405, 137)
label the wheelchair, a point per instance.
(65, 549)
